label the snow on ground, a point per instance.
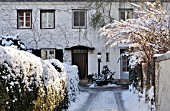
(117, 100)
(94, 85)
(98, 101)
(80, 100)
(104, 101)
(132, 101)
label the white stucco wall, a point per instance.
(162, 83)
(63, 35)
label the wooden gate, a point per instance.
(80, 58)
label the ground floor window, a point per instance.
(48, 53)
(124, 60)
(125, 63)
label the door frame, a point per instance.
(81, 47)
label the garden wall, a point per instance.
(162, 72)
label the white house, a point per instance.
(69, 30)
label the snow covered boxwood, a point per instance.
(72, 77)
(27, 83)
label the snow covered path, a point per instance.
(102, 99)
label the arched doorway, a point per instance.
(79, 55)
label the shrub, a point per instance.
(72, 77)
(27, 83)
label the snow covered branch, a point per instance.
(148, 34)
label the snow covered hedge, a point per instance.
(27, 83)
(12, 40)
(72, 77)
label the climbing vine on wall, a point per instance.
(97, 20)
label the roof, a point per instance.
(76, 0)
(79, 47)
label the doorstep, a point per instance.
(83, 82)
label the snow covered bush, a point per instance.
(72, 80)
(148, 34)
(12, 41)
(28, 83)
(72, 77)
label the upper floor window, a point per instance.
(47, 19)
(79, 18)
(125, 14)
(24, 19)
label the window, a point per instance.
(79, 18)
(24, 19)
(47, 19)
(125, 63)
(124, 60)
(107, 57)
(125, 14)
(48, 53)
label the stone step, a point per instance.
(83, 82)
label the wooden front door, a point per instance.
(80, 58)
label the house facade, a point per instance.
(68, 30)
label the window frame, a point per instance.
(50, 10)
(85, 19)
(125, 10)
(24, 11)
(48, 52)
